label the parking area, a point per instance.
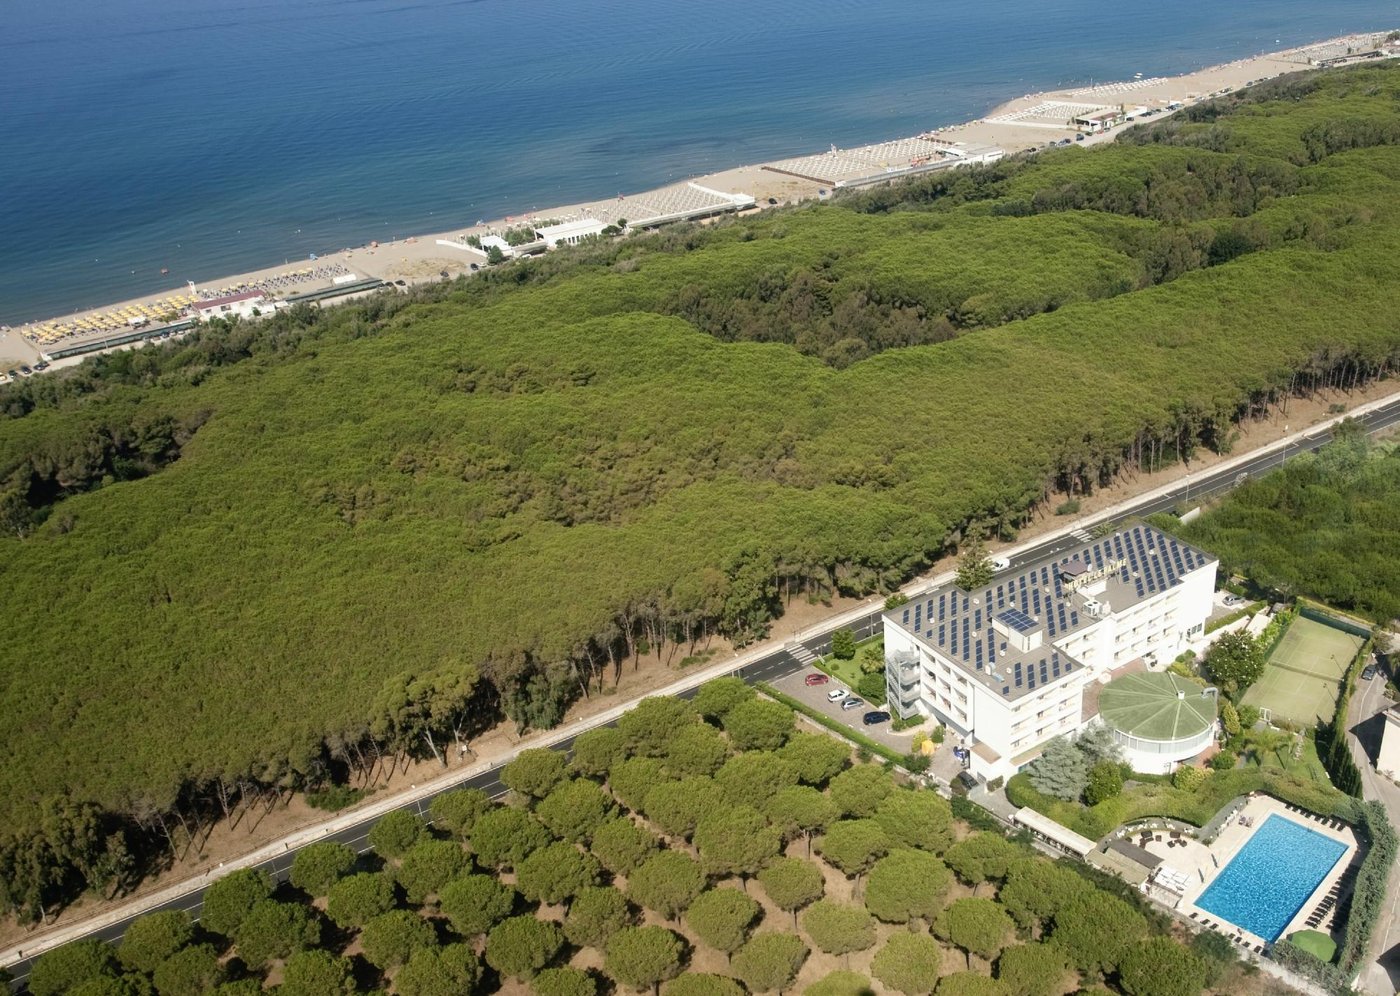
(816, 697)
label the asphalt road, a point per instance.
(781, 662)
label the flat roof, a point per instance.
(215, 302)
(1133, 564)
(1057, 832)
(583, 226)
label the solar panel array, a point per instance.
(1017, 620)
(962, 631)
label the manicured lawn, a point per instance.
(848, 672)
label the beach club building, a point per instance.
(233, 306)
(570, 233)
(1013, 665)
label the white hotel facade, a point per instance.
(1017, 663)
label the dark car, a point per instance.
(817, 679)
(871, 718)
(1369, 672)
(852, 702)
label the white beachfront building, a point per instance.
(246, 305)
(570, 233)
(1006, 667)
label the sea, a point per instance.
(210, 137)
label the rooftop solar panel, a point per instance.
(1017, 620)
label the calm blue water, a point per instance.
(212, 136)
(1266, 883)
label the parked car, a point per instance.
(836, 694)
(818, 678)
(1369, 672)
(1233, 600)
(852, 702)
(871, 718)
(1001, 564)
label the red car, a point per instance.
(818, 679)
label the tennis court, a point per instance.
(1304, 673)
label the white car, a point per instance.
(1000, 564)
(836, 694)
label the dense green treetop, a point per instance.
(1034, 970)
(792, 883)
(535, 772)
(319, 865)
(666, 883)
(228, 900)
(620, 845)
(921, 819)
(596, 913)
(505, 837)
(816, 757)
(555, 873)
(438, 971)
(858, 791)
(596, 751)
(721, 918)
(702, 984)
(564, 981)
(905, 885)
(522, 945)
(191, 971)
(769, 962)
(715, 698)
(273, 930)
(839, 928)
(154, 938)
(697, 749)
(759, 724)
(357, 898)
(427, 866)
(574, 809)
(642, 957)
(909, 963)
(676, 807)
(396, 832)
(317, 973)
(577, 465)
(476, 903)
(454, 812)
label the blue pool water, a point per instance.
(1268, 881)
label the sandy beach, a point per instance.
(1027, 122)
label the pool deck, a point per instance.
(1200, 863)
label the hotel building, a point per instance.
(1019, 662)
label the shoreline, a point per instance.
(1018, 125)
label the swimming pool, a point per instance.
(1272, 876)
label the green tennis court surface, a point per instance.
(1304, 673)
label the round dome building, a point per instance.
(1158, 718)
